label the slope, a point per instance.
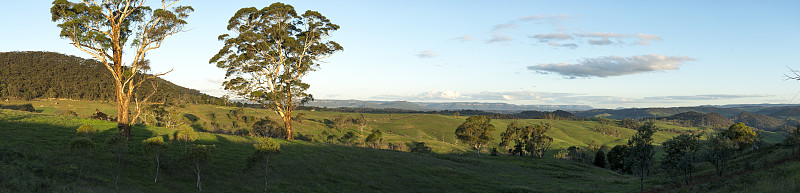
(35, 158)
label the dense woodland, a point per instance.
(34, 75)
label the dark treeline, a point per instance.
(35, 75)
(718, 121)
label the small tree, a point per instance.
(86, 131)
(361, 123)
(421, 148)
(720, 149)
(539, 143)
(793, 141)
(641, 151)
(156, 146)
(743, 136)
(198, 156)
(375, 138)
(600, 159)
(349, 138)
(681, 152)
(616, 157)
(185, 136)
(300, 117)
(517, 134)
(264, 148)
(81, 145)
(476, 131)
(118, 143)
(266, 127)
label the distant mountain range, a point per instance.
(432, 106)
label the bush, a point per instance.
(86, 130)
(268, 128)
(68, 113)
(421, 148)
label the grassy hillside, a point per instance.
(436, 131)
(36, 157)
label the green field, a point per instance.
(435, 130)
(36, 157)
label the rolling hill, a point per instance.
(35, 75)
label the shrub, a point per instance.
(86, 130)
(421, 148)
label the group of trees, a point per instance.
(266, 56)
(530, 139)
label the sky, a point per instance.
(605, 54)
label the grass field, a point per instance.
(436, 131)
(36, 157)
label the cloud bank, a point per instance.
(613, 66)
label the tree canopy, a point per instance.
(476, 131)
(268, 53)
(102, 29)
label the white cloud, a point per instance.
(465, 38)
(706, 97)
(427, 54)
(498, 37)
(505, 26)
(551, 19)
(570, 45)
(603, 38)
(601, 42)
(552, 36)
(645, 39)
(613, 66)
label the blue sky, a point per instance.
(599, 53)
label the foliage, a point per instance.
(641, 152)
(86, 130)
(616, 157)
(600, 159)
(349, 138)
(375, 138)
(199, 156)
(743, 136)
(264, 148)
(102, 30)
(720, 150)
(156, 146)
(32, 75)
(793, 140)
(82, 144)
(266, 127)
(185, 136)
(119, 144)
(269, 53)
(300, 117)
(23, 107)
(476, 131)
(681, 153)
(420, 147)
(538, 142)
(628, 123)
